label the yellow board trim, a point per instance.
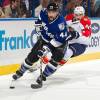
(8, 69)
(85, 57)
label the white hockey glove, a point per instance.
(45, 54)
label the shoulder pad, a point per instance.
(85, 20)
(69, 17)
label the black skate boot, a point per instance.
(40, 79)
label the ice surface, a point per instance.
(78, 81)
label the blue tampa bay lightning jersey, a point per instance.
(53, 30)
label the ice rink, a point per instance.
(78, 81)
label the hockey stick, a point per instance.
(12, 85)
(36, 86)
(41, 54)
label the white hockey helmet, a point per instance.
(79, 10)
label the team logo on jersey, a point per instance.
(61, 26)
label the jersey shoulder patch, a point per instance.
(61, 26)
(61, 23)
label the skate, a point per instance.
(43, 78)
(39, 81)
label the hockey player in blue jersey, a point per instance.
(76, 46)
(52, 38)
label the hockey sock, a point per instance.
(24, 67)
(50, 69)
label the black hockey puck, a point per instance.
(11, 87)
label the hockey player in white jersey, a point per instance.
(82, 24)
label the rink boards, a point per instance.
(16, 42)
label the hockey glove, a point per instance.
(45, 54)
(73, 35)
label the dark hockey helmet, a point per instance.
(53, 7)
